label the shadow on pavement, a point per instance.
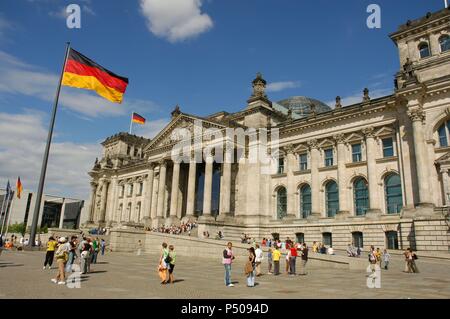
(10, 265)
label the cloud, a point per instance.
(19, 78)
(357, 97)
(175, 20)
(21, 152)
(281, 86)
(150, 128)
(4, 25)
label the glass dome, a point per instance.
(301, 106)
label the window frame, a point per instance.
(356, 156)
(281, 208)
(280, 166)
(303, 165)
(329, 203)
(388, 196)
(328, 161)
(360, 210)
(305, 213)
(447, 37)
(385, 148)
(421, 47)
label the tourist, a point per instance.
(276, 255)
(72, 253)
(412, 261)
(304, 258)
(95, 250)
(163, 264)
(103, 246)
(250, 271)
(258, 260)
(85, 254)
(330, 251)
(378, 255)
(263, 242)
(292, 260)
(269, 243)
(372, 258)
(270, 259)
(350, 251)
(49, 255)
(288, 259)
(139, 247)
(227, 260)
(358, 252)
(172, 257)
(315, 248)
(62, 256)
(386, 258)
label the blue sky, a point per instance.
(199, 54)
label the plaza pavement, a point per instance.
(131, 276)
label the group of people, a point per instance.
(11, 243)
(65, 252)
(185, 227)
(166, 264)
(253, 265)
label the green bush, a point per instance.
(18, 228)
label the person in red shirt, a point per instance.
(292, 259)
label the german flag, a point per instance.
(136, 118)
(83, 73)
(19, 187)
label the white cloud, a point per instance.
(175, 20)
(150, 128)
(4, 25)
(23, 79)
(21, 153)
(281, 86)
(358, 97)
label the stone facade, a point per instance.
(376, 172)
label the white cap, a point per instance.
(62, 239)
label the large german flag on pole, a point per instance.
(83, 73)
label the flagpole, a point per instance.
(131, 122)
(3, 205)
(9, 217)
(6, 208)
(47, 150)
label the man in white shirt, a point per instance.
(258, 259)
(330, 251)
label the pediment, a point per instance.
(178, 128)
(326, 143)
(354, 137)
(385, 131)
(444, 159)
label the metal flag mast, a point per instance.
(45, 160)
(446, 3)
(131, 121)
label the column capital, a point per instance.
(162, 162)
(152, 165)
(369, 132)
(416, 115)
(313, 144)
(444, 169)
(289, 149)
(339, 138)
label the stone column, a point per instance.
(374, 201)
(174, 192)
(154, 202)
(161, 190)
(148, 193)
(417, 117)
(111, 206)
(191, 189)
(208, 187)
(291, 191)
(92, 203)
(61, 217)
(225, 191)
(104, 198)
(446, 185)
(315, 183)
(341, 159)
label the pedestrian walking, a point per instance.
(270, 259)
(103, 246)
(372, 258)
(276, 255)
(50, 253)
(250, 267)
(139, 248)
(259, 255)
(386, 259)
(163, 264)
(172, 258)
(304, 258)
(227, 260)
(292, 259)
(95, 250)
(72, 253)
(62, 256)
(85, 255)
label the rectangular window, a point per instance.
(136, 152)
(329, 157)
(303, 162)
(388, 147)
(122, 191)
(443, 142)
(141, 188)
(130, 190)
(280, 166)
(356, 153)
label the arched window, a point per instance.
(281, 203)
(444, 42)
(120, 212)
(443, 133)
(332, 198)
(128, 212)
(138, 212)
(424, 50)
(305, 201)
(361, 196)
(393, 193)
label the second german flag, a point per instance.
(83, 73)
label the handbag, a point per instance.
(248, 267)
(168, 259)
